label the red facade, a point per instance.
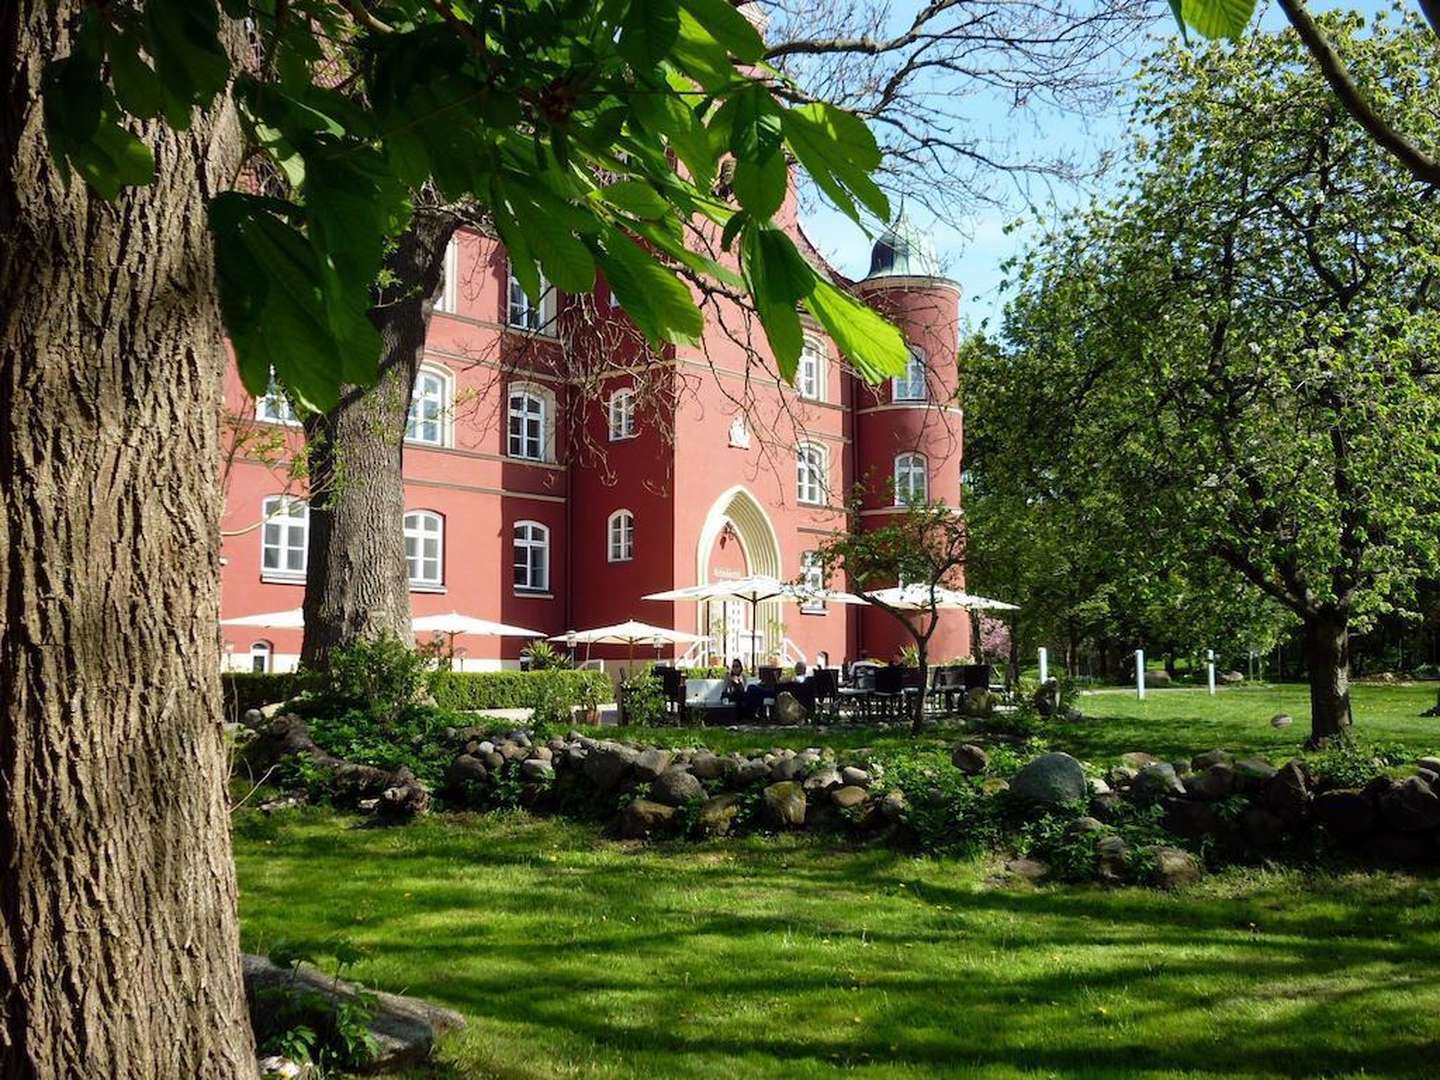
(716, 465)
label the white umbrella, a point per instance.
(918, 598)
(756, 590)
(294, 619)
(629, 633)
(454, 623)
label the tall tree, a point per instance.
(1242, 348)
(118, 943)
(118, 939)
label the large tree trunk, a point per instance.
(357, 585)
(1327, 658)
(119, 952)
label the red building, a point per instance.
(557, 470)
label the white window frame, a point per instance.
(912, 385)
(907, 466)
(521, 313)
(274, 407)
(536, 537)
(812, 576)
(264, 652)
(426, 571)
(622, 414)
(441, 405)
(518, 443)
(810, 375)
(620, 536)
(280, 526)
(812, 465)
(449, 301)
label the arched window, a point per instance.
(261, 654)
(532, 556)
(284, 537)
(912, 479)
(525, 314)
(810, 473)
(425, 547)
(620, 534)
(622, 415)
(527, 425)
(911, 386)
(430, 407)
(810, 377)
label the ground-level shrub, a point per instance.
(557, 688)
(243, 690)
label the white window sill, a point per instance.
(426, 444)
(528, 460)
(624, 438)
(814, 611)
(534, 594)
(551, 334)
(275, 577)
(426, 587)
(627, 558)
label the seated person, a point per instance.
(796, 686)
(734, 690)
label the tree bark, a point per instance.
(119, 951)
(1327, 658)
(357, 584)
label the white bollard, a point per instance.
(1210, 670)
(1044, 664)
(1140, 674)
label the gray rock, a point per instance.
(642, 817)
(536, 771)
(1190, 818)
(1395, 848)
(1262, 829)
(1172, 868)
(752, 772)
(486, 747)
(494, 761)
(717, 814)
(1156, 782)
(541, 753)
(1137, 760)
(1201, 762)
(1028, 869)
(784, 805)
(1112, 858)
(849, 797)
(787, 769)
(1251, 773)
(253, 718)
(994, 785)
(855, 777)
(405, 1028)
(1232, 678)
(706, 766)
(466, 770)
(1121, 776)
(1287, 794)
(1107, 807)
(1050, 780)
(1158, 678)
(970, 759)
(893, 805)
(823, 780)
(1086, 825)
(788, 711)
(607, 763)
(1411, 806)
(520, 738)
(676, 787)
(1281, 720)
(1212, 783)
(651, 763)
(1429, 764)
(1098, 786)
(512, 751)
(1345, 812)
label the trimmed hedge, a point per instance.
(518, 689)
(244, 690)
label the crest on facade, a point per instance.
(739, 433)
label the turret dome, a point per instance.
(902, 250)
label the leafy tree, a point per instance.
(563, 121)
(1241, 349)
(921, 545)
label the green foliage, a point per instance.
(312, 1027)
(559, 121)
(385, 678)
(520, 689)
(543, 656)
(411, 738)
(1349, 762)
(1214, 18)
(948, 811)
(642, 699)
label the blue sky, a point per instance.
(974, 256)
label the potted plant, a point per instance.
(590, 701)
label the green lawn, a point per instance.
(574, 956)
(1181, 722)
